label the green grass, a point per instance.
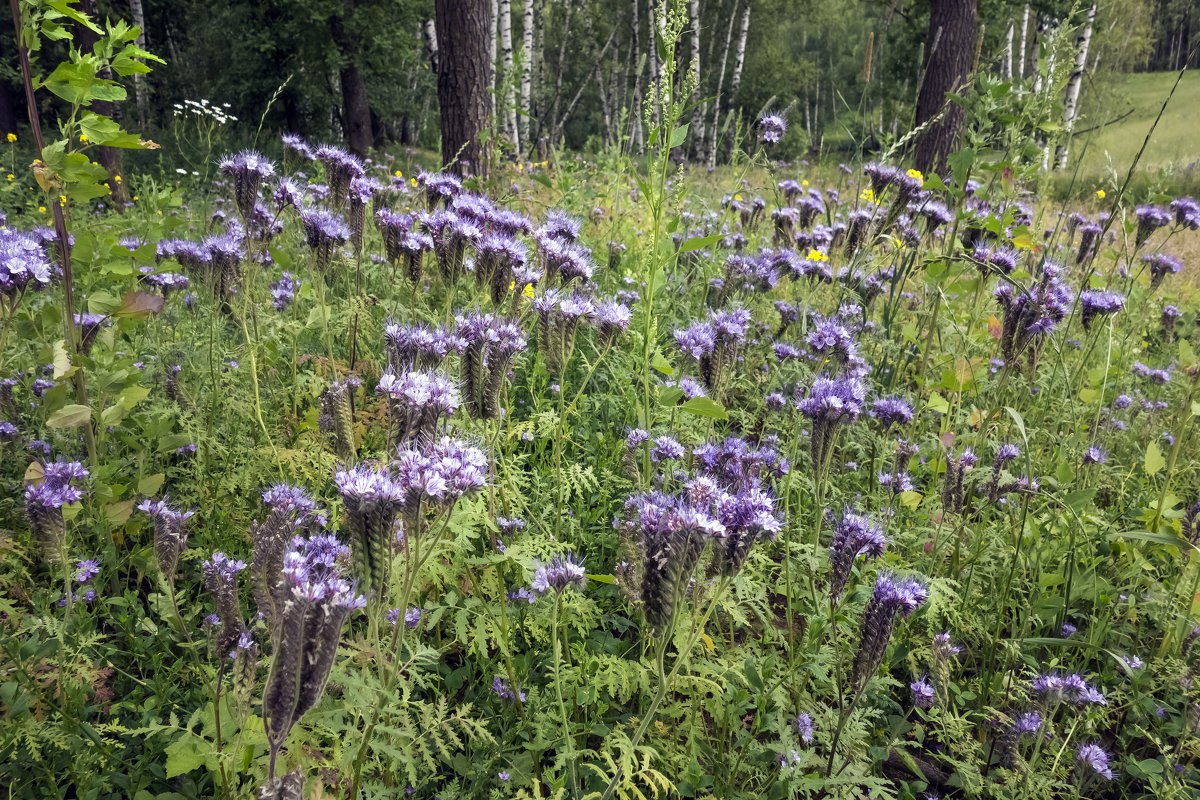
(1118, 113)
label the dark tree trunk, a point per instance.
(950, 55)
(356, 111)
(108, 157)
(462, 81)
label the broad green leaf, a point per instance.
(699, 243)
(679, 135)
(72, 416)
(1154, 459)
(660, 363)
(1187, 354)
(62, 362)
(938, 403)
(1167, 539)
(150, 484)
(705, 407)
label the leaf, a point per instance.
(184, 755)
(699, 243)
(72, 416)
(118, 513)
(62, 361)
(705, 407)
(150, 484)
(911, 500)
(938, 403)
(1019, 421)
(960, 164)
(136, 305)
(1187, 354)
(679, 135)
(660, 363)
(1167, 539)
(1154, 459)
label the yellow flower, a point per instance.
(528, 291)
(62, 200)
(41, 209)
(399, 174)
(804, 184)
(737, 197)
(135, 197)
(816, 255)
(867, 196)
(916, 173)
(1100, 194)
(83, 138)
(520, 167)
(12, 137)
(412, 182)
(117, 178)
(10, 177)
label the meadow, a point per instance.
(599, 478)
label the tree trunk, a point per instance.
(712, 145)
(1024, 39)
(139, 80)
(1071, 107)
(698, 114)
(462, 82)
(10, 104)
(1007, 60)
(526, 71)
(506, 58)
(109, 157)
(740, 59)
(636, 134)
(947, 69)
(494, 16)
(429, 34)
(551, 120)
(356, 111)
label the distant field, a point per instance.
(1129, 104)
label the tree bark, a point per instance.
(506, 58)
(462, 82)
(1074, 83)
(526, 71)
(494, 17)
(429, 35)
(698, 114)
(1024, 39)
(712, 129)
(1007, 59)
(356, 110)
(947, 69)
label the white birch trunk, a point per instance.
(1024, 40)
(740, 60)
(711, 140)
(429, 31)
(1074, 83)
(526, 71)
(506, 59)
(139, 84)
(1007, 61)
(495, 12)
(698, 114)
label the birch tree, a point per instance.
(139, 84)
(506, 58)
(1071, 107)
(711, 147)
(526, 70)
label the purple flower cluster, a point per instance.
(892, 597)
(854, 535)
(561, 573)
(771, 128)
(170, 538)
(283, 291)
(23, 263)
(1095, 303)
(1031, 314)
(417, 400)
(44, 501)
(829, 404)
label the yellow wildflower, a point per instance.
(412, 182)
(916, 173)
(1100, 194)
(399, 174)
(117, 178)
(62, 200)
(528, 291)
(83, 138)
(867, 196)
(816, 255)
(12, 137)
(41, 209)
(737, 197)
(11, 177)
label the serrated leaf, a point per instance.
(705, 407)
(1154, 459)
(72, 416)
